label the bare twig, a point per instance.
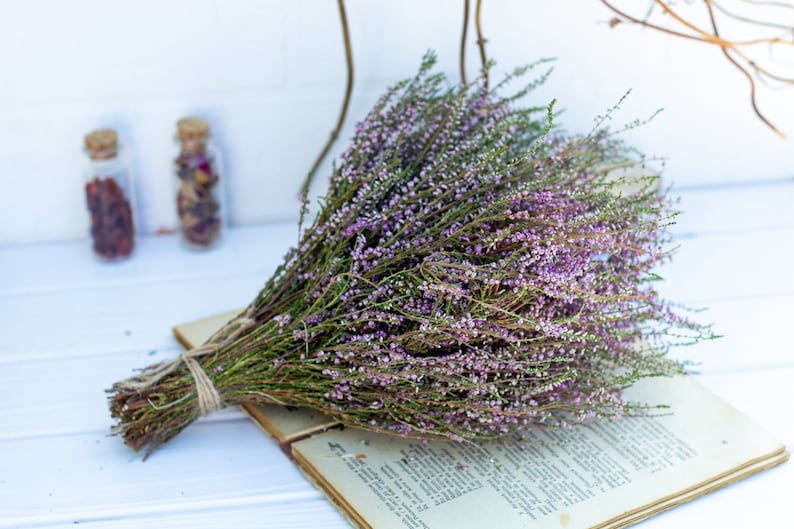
(733, 50)
(481, 43)
(343, 112)
(713, 37)
(745, 72)
(749, 20)
(463, 42)
(644, 23)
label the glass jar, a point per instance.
(199, 195)
(109, 197)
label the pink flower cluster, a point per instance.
(470, 275)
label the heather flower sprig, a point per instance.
(468, 275)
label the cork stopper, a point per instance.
(101, 144)
(192, 129)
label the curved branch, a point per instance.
(345, 103)
(463, 42)
(640, 22)
(481, 43)
(745, 72)
(763, 72)
(701, 36)
(750, 20)
(731, 50)
(714, 38)
(681, 20)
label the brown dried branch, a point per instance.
(640, 22)
(463, 42)
(714, 38)
(481, 43)
(345, 103)
(732, 49)
(741, 69)
(749, 20)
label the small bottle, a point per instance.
(199, 196)
(108, 191)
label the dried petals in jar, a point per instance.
(112, 230)
(107, 191)
(198, 193)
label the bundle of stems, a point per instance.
(470, 273)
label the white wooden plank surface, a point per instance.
(737, 207)
(72, 326)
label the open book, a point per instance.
(597, 475)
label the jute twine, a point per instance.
(209, 400)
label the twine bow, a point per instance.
(209, 400)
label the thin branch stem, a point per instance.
(463, 42)
(763, 72)
(345, 103)
(481, 43)
(713, 37)
(745, 72)
(701, 35)
(640, 22)
(750, 20)
(731, 50)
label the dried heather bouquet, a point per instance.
(468, 275)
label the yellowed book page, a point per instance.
(195, 333)
(604, 474)
(284, 424)
(635, 516)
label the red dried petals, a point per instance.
(112, 229)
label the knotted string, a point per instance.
(209, 400)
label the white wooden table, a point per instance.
(71, 326)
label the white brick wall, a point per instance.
(269, 75)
